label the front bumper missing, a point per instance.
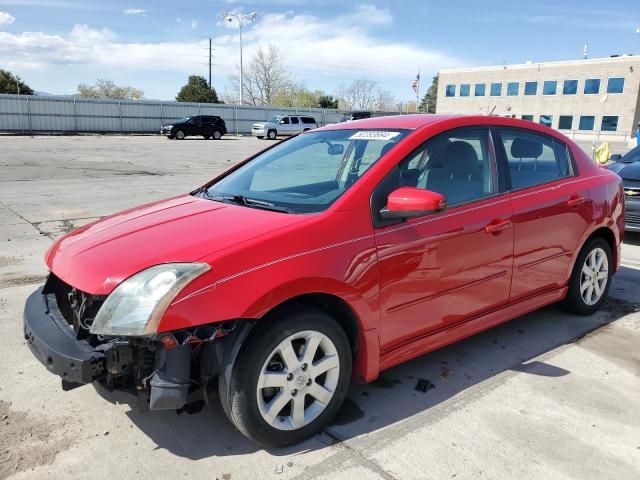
(53, 342)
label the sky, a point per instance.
(54, 45)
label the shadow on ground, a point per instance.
(401, 392)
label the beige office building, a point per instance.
(598, 98)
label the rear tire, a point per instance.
(272, 134)
(180, 135)
(217, 134)
(590, 279)
(295, 379)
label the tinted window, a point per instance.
(546, 120)
(527, 117)
(565, 122)
(533, 159)
(285, 121)
(549, 87)
(609, 123)
(530, 88)
(456, 164)
(480, 89)
(308, 120)
(592, 86)
(570, 87)
(465, 90)
(295, 120)
(587, 122)
(496, 89)
(632, 156)
(615, 85)
(451, 91)
(512, 89)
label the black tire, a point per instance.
(207, 137)
(238, 389)
(180, 135)
(272, 134)
(574, 301)
(217, 134)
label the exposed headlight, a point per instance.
(137, 304)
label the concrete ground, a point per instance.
(548, 395)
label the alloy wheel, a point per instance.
(298, 380)
(594, 276)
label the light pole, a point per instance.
(229, 17)
(638, 41)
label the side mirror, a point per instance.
(335, 149)
(281, 122)
(410, 202)
(615, 158)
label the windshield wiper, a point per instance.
(248, 202)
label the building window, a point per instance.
(587, 122)
(451, 91)
(549, 87)
(546, 120)
(465, 90)
(609, 123)
(570, 87)
(480, 89)
(592, 86)
(615, 85)
(565, 122)
(496, 89)
(530, 88)
(512, 89)
(527, 117)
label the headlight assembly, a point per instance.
(135, 307)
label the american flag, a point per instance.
(416, 83)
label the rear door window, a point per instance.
(533, 159)
(295, 120)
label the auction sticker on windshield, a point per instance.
(374, 135)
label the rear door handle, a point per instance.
(498, 225)
(576, 200)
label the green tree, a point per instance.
(197, 90)
(428, 103)
(108, 89)
(10, 83)
(327, 101)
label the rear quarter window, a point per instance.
(534, 159)
(308, 120)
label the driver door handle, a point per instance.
(497, 226)
(576, 200)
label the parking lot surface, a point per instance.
(548, 395)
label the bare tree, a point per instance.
(385, 101)
(264, 77)
(360, 94)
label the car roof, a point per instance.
(415, 121)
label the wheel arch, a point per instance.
(608, 236)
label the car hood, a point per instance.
(628, 171)
(260, 124)
(97, 257)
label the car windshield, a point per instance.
(274, 119)
(185, 119)
(307, 173)
(632, 156)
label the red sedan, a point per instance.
(333, 255)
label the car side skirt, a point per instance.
(466, 328)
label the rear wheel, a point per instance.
(272, 134)
(217, 134)
(290, 378)
(180, 135)
(591, 278)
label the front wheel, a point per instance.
(591, 278)
(272, 134)
(290, 378)
(180, 135)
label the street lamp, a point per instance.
(638, 41)
(230, 17)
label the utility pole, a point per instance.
(210, 64)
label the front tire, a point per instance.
(180, 135)
(591, 278)
(272, 134)
(290, 378)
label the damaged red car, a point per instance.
(327, 257)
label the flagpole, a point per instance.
(418, 94)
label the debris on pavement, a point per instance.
(424, 385)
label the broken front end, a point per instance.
(75, 336)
